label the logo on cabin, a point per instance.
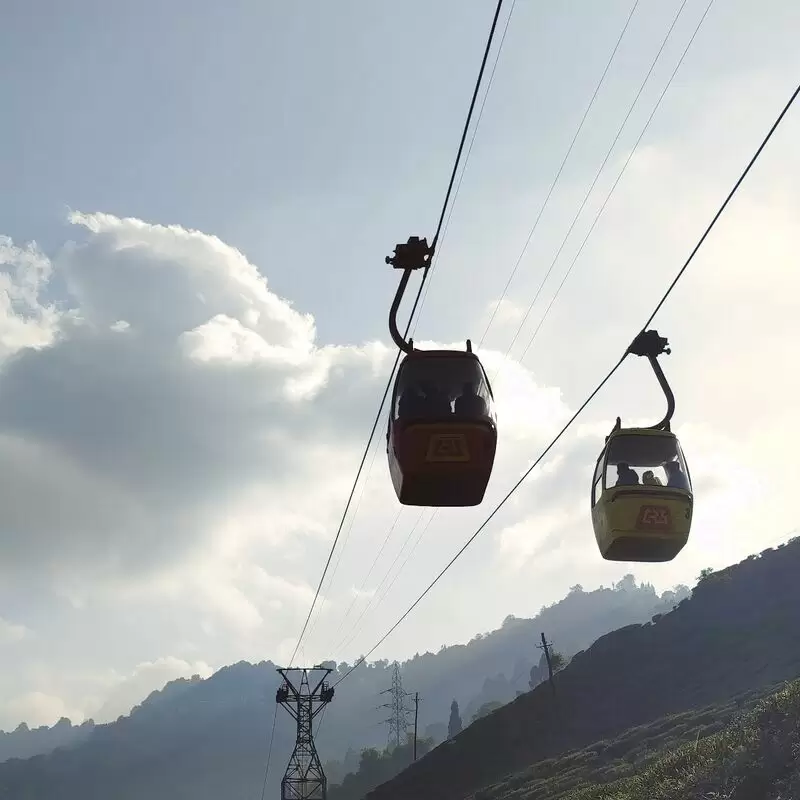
(654, 517)
(447, 447)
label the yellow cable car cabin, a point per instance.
(641, 496)
(442, 432)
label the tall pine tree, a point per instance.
(454, 726)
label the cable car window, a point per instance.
(440, 386)
(598, 476)
(646, 460)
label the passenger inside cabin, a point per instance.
(676, 477)
(649, 479)
(437, 402)
(470, 403)
(412, 403)
(626, 476)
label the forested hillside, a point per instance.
(207, 738)
(738, 632)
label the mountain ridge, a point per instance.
(225, 720)
(737, 631)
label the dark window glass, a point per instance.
(442, 386)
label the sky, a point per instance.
(198, 199)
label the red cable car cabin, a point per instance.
(442, 429)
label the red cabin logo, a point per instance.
(654, 517)
(447, 447)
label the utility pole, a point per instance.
(416, 718)
(399, 713)
(545, 645)
(304, 778)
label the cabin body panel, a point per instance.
(442, 433)
(442, 464)
(642, 501)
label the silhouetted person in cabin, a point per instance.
(649, 479)
(676, 477)
(437, 403)
(626, 476)
(412, 403)
(470, 403)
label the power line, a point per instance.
(560, 170)
(616, 182)
(367, 576)
(588, 400)
(348, 638)
(608, 155)
(410, 319)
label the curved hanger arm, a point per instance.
(405, 346)
(667, 389)
(414, 254)
(651, 345)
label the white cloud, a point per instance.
(39, 708)
(182, 443)
(11, 633)
(177, 444)
(502, 312)
(147, 677)
(24, 320)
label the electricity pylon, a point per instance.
(398, 720)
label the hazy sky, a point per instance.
(197, 201)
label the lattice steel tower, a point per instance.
(398, 720)
(304, 778)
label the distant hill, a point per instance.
(738, 632)
(204, 739)
(25, 742)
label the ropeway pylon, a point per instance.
(304, 778)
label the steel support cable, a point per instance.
(597, 175)
(483, 525)
(541, 211)
(427, 285)
(597, 389)
(605, 161)
(313, 626)
(558, 173)
(467, 156)
(424, 293)
(408, 326)
(269, 753)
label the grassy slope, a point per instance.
(618, 769)
(756, 756)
